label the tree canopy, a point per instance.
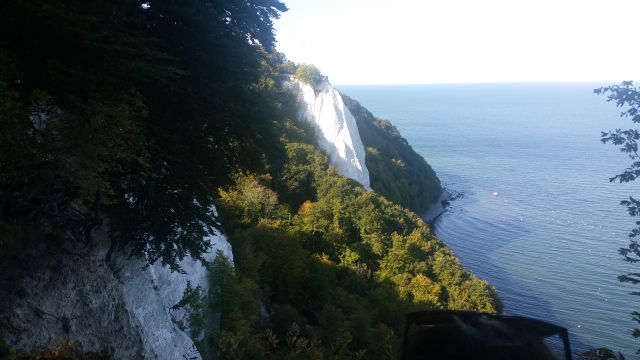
(309, 74)
(396, 170)
(346, 263)
(147, 114)
(137, 110)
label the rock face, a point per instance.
(71, 297)
(150, 292)
(336, 129)
(124, 308)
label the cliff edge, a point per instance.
(336, 130)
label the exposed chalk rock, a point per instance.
(336, 130)
(70, 296)
(69, 293)
(151, 292)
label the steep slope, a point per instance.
(125, 308)
(341, 269)
(344, 129)
(142, 112)
(151, 293)
(396, 170)
(336, 129)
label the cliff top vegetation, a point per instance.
(309, 74)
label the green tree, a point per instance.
(627, 97)
(396, 170)
(133, 110)
(309, 74)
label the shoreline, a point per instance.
(437, 208)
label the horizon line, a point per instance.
(612, 82)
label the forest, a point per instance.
(145, 115)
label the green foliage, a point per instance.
(627, 97)
(138, 113)
(283, 66)
(396, 171)
(255, 200)
(236, 300)
(190, 297)
(309, 74)
(345, 267)
(129, 112)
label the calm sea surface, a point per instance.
(548, 242)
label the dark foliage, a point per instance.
(129, 108)
(395, 169)
(138, 111)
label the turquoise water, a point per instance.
(548, 242)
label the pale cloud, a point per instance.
(406, 41)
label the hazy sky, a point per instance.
(425, 41)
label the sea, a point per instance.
(535, 213)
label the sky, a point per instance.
(463, 41)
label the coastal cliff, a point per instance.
(120, 136)
(336, 130)
(123, 305)
(397, 171)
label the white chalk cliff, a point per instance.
(150, 292)
(336, 130)
(124, 308)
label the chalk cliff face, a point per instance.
(149, 293)
(124, 307)
(336, 129)
(70, 296)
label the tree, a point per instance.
(627, 97)
(397, 172)
(131, 110)
(309, 74)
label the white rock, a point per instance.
(70, 297)
(71, 293)
(171, 285)
(336, 130)
(151, 292)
